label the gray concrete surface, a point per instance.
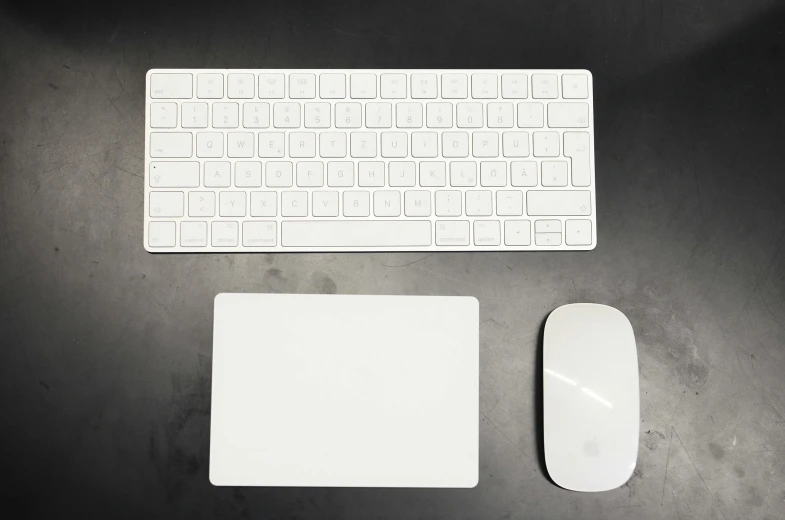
(106, 349)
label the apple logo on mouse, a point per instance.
(591, 448)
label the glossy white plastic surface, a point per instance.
(591, 397)
(339, 390)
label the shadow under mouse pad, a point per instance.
(340, 390)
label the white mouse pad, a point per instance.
(339, 390)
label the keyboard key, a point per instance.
(225, 234)
(378, 115)
(217, 174)
(469, 115)
(161, 234)
(259, 233)
(438, 115)
(576, 147)
(487, 233)
(417, 203)
(485, 86)
(387, 203)
(201, 204)
(425, 144)
(310, 174)
(325, 204)
(455, 86)
(302, 86)
(485, 144)
(302, 145)
(546, 203)
(517, 232)
(401, 174)
(578, 233)
(575, 86)
(171, 144)
(348, 115)
(452, 233)
(455, 144)
(479, 203)
(433, 174)
(509, 203)
(332, 144)
(226, 115)
(547, 226)
(194, 115)
(294, 204)
(356, 233)
(547, 239)
(278, 174)
(193, 234)
(240, 86)
(515, 86)
(515, 144)
(523, 173)
(394, 144)
(356, 204)
(271, 86)
(363, 85)
(210, 86)
(554, 173)
(286, 115)
(424, 86)
(371, 174)
(209, 144)
(531, 115)
(169, 174)
(166, 204)
(546, 144)
(568, 115)
(171, 86)
(493, 173)
(332, 86)
(231, 204)
(363, 144)
(408, 115)
(317, 115)
(463, 173)
(271, 144)
(448, 203)
(240, 144)
(163, 115)
(500, 115)
(256, 115)
(264, 203)
(545, 86)
(248, 174)
(340, 174)
(393, 86)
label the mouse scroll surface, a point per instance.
(591, 397)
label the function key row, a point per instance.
(367, 85)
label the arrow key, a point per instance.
(578, 233)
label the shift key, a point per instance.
(556, 203)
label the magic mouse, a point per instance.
(591, 401)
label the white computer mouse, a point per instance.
(591, 401)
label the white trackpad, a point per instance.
(338, 390)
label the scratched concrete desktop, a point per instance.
(106, 349)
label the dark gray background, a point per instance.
(105, 356)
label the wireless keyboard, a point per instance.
(274, 160)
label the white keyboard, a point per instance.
(274, 160)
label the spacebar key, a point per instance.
(355, 233)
